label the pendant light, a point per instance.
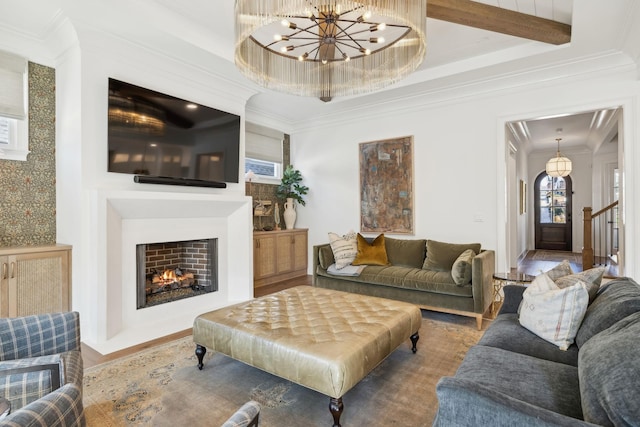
(558, 166)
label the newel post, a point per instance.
(587, 248)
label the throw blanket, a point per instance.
(349, 270)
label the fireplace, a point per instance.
(171, 271)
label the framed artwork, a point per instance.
(386, 186)
(523, 197)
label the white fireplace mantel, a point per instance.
(127, 218)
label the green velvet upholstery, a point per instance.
(406, 280)
(406, 252)
(441, 255)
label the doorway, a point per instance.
(552, 201)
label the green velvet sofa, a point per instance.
(420, 272)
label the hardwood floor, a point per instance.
(538, 261)
(91, 357)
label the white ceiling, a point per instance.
(456, 55)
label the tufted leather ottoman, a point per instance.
(322, 339)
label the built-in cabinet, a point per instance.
(35, 280)
(279, 255)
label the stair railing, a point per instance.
(600, 233)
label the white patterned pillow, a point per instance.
(344, 248)
(554, 313)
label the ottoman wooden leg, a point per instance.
(200, 352)
(336, 407)
(414, 340)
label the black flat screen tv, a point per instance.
(153, 135)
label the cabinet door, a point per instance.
(300, 251)
(285, 251)
(39, 283)
(264, 257)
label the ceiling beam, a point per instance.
(496, 19)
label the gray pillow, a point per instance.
(405, 252)
(461, 269)
(592, 278)
(441, 256)
(609, 373)
(614, 301)
(560, 270)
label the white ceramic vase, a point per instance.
(289, 213)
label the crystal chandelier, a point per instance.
(558, 166)
(326, 48)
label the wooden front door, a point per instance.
(553, 213)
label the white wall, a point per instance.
(459, 147)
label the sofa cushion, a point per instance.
(552, 313)
(344, 248)
(405, 252)
(549, 385)
(461, 269)
(374, 253)
(614, 301)
(441, 256)
(609, 371)
(506, 333)
(591, 278)
(325, 256)
(407, 278)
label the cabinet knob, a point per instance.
(4, 271)
(13, 270)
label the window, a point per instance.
(263, 152)
(553, 200)
(14, 135)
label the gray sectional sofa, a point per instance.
(513, 377)
(419, 272)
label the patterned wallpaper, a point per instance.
(28, 189)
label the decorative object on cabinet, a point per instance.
(35, 280)
(291, 186)
(386, 186)
(279, 255)
(290, 213)
(276, 216)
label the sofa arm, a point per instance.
(39, 335)
(465, 403)
(512, 298)
(60, 408)
(482, 268)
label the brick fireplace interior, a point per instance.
(171, 271)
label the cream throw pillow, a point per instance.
(344, 248)
(554, 313)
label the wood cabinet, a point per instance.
(279, 255)
(35, 280)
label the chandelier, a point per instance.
(326, 48)
(127, 115)
(558, 166)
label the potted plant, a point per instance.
(291, 189)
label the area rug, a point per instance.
(162, 386)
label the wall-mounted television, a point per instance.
(164, 139)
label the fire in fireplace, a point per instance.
(171, 271)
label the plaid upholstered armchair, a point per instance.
(41, 370)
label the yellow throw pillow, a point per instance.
(374, 253)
